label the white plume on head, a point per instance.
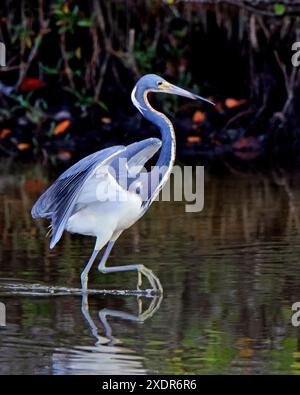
(135, 102)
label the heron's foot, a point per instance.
(142, 270)
(151, 277)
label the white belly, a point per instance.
(107, 217)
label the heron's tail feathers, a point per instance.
(50, 231)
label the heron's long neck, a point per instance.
(168, 149)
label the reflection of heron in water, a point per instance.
(108, 355)
(75, 203)
(142, 316)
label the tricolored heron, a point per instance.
(73, 203)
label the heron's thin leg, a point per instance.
(105, 256)
(141, 269)
(84, 274)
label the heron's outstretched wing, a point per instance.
(139, 153)
(59, 200)
(129, 175)
(124, 175)
(135, 157)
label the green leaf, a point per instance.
(103, 106)
(50, 70)
(38, 40)
(75, 11)
(279, 9)
(85, 23)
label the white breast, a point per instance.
(104, 207)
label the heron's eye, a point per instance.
(159, 83)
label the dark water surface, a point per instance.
(230, 275)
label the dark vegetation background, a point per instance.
(71, 65)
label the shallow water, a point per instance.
(230, 275)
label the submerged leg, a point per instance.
(85, 273)
(141, 269)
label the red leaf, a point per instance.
(61, 127)
(23, 146)
(4, 132)
(31, 84)
(193, 139)
(198, 117)
(232, 103)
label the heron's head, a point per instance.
(154, 83)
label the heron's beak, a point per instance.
(175, 90)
